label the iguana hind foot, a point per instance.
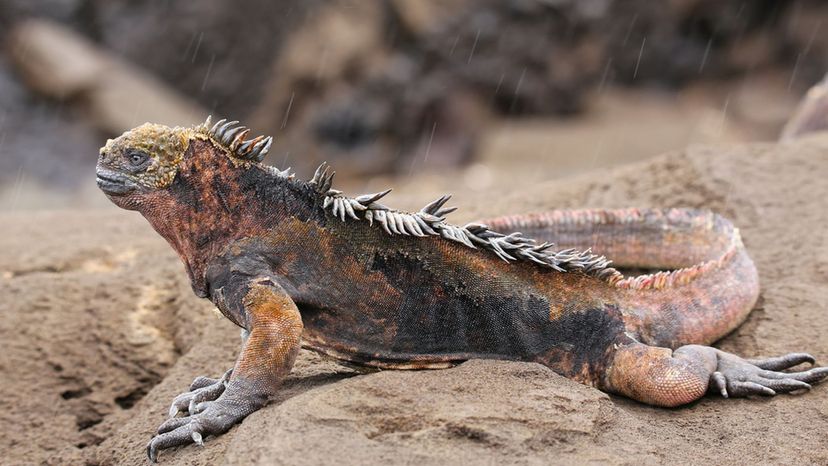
(737, 377)
(664, 377)
(202, 389)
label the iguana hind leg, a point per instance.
(664, 377)
(268, 354)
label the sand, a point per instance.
(100, 331)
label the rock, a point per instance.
(86, 332)
(811, 115)
(41, 146)
(420, 17)
(481, 411)
(117, 96)
(215, 52)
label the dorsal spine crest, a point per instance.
(431, 221)
(231, 138)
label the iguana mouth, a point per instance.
(114, 183)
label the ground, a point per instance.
(100, 331)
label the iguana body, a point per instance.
(297, 263)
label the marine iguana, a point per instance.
(299, 264)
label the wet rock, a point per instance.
(115, 95)
(481, 411)
(811, 115)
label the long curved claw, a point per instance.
(172, 424)
(738, 388)
(180, 436)
(810, 376)
(786, 385)
(783, 362)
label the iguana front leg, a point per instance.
(275, 329)
(665, 377)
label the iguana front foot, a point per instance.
(240, 398)
(202, 389)
(270, 345)
(737, 377)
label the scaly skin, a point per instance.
(296, 263)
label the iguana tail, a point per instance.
(706, 283)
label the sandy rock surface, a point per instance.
(100, 331)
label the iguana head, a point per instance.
(147, 159)
(140, 161)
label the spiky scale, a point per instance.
(349, 209)
(266, 148)
(238, 139)
(216, 126)
(220, 133)
(256, 151)
(367, 199)
(425, 226)
(435, 205)
(245, 147)
(318, 173)
(230, 135)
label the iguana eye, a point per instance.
(137, 158)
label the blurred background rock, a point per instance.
(487, 93)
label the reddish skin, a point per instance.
(278, 264)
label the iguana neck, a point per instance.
(210, 204)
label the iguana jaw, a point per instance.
(114, 183)
(119, 188)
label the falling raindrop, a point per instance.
(197, 47)
(430, 140)
(517, 89)
(706, 53)
(474, 46)
(287, 111)
(454, 45)
(209, 69)
(604, 76)
(794, 70)
(638, 61)
(629, 30)
(724, 116)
